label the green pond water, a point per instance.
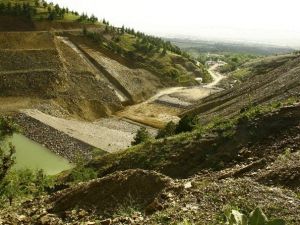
(32, 155)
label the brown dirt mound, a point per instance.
(106, 195)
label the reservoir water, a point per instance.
(32, 155)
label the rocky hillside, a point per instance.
(145, 197)
(259, 113)
(220, 145)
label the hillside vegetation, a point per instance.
(41, 9)
(260, 66)
(160, 57)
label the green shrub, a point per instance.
(186, 124)
(141, 136)
(167, 131)
(256, 217)
(81, 174)
(185, 222)
(7, 127)
(7, 151)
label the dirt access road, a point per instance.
(217, 77)
(168, 103)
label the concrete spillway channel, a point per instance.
(121, 92)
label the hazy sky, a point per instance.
(265, 21)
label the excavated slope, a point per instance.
(81, 80)
(273, 81)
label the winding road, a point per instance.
(195, 92)
(217, 77)
(168, 103)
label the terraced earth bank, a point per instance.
(40, 66)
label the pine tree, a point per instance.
(123, 29)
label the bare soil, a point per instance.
(12, 104)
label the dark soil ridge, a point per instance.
(284, 171)
(104, 196)
(20, 23)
